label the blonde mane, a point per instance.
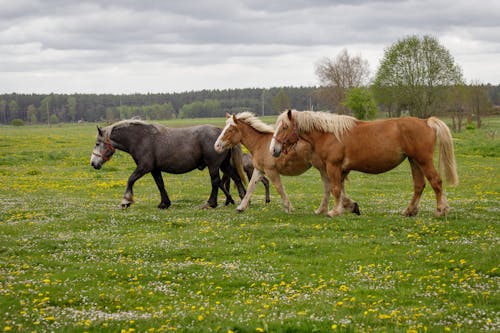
(251, 120)
(308, 121)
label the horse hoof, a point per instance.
(410, 212)
(163, 205)
(126, 205)
(229, 202)
(441, 212)
(208, 205)
(355, 209)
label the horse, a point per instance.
(343, 143)
(248, 168)
(247, 129)
(156, 148)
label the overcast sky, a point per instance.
(128, 46)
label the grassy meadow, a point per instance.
(71, 260)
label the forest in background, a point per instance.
(55, 108)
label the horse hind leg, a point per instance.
(418, 188)
(436, 182)
(216, 184)
(226, 189)
(165, 200)
(347, 202)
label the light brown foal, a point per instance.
(249, 130)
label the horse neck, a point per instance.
(122, 138)
(252, 139)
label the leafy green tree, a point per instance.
(414, 74)
(71, 107)
(3, 111)
(14, 109)
(281, 101)
(361, 103)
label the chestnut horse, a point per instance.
(343, 143)
(247, 129)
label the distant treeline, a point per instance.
(52, 108)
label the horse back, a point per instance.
(379, 146)
(180, 150)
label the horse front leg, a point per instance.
(265, 181)
(245, 202)
(165, 201)
(335, 179)
(128, 196)
(323, 207)
(275, 178)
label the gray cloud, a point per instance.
(253, 35)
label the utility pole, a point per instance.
(262, 101)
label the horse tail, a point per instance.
(237, 162)
(447, 163)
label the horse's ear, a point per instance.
(227, 115)
(235, 119)
(289, 114)
(99, 130)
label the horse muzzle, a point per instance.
(96, 165)
(275, 148)
(219, 147)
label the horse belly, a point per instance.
(373, 163)
(292, 165)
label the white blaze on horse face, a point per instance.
(96, 160)
(219, 144)
(275, 148)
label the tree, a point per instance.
(479, 101)
(3, 111)
(414, 74)
(457, 105)
(71, 106)
(281, 101)
(340, 74)
(361, 103)
(31, 114)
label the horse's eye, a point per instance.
(285, 127)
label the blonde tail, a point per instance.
(237, 162)
(447, 164)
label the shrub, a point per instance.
(17, 122)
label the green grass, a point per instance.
(71, 260)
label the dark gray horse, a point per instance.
(156, 148)
(248, 167)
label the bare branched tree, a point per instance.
(340, 74)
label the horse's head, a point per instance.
(103, 149)
(230, 135)
(285, 134)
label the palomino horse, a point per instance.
(247, 129)
(343, 143)
(156, 148)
